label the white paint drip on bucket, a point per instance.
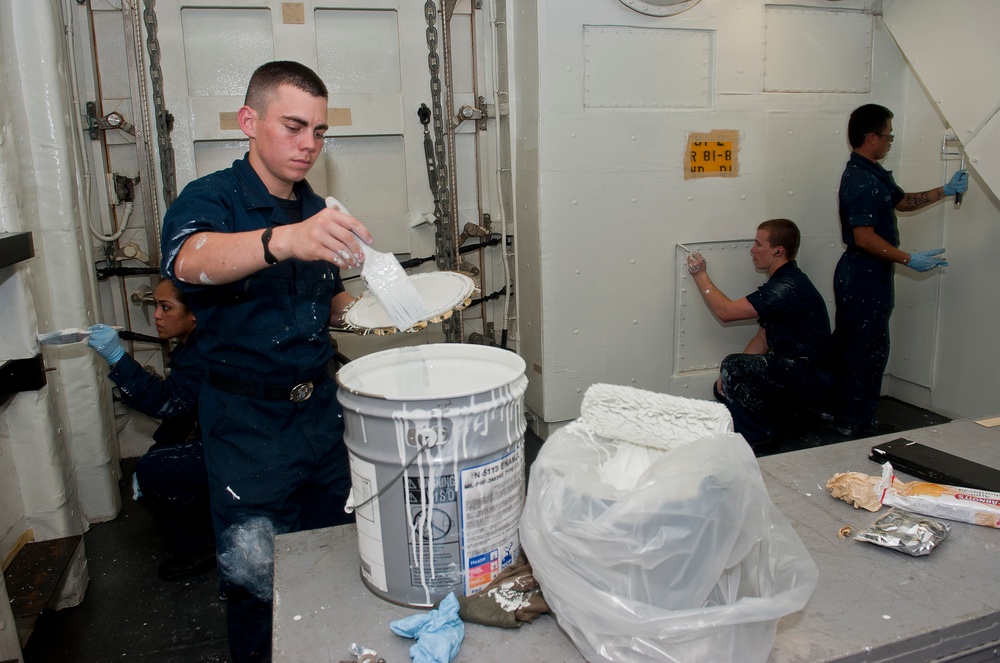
(436, 440)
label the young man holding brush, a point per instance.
(257, 255)
(786, 368)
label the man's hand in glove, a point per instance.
(924, 261)
(959, 183)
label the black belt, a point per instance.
(297, 393)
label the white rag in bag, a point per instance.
(650, 424)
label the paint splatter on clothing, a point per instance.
(273, 322)
(274, 465)
(863, 292)
(764, 392)
(170, 478)
(173, 400)
(794, 316)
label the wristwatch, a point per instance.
(265, 239)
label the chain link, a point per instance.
(168, 171)
(443, 231)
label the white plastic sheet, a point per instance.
(691, 562)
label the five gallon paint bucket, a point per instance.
(436, 440)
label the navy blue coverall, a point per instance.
(170, 478)
(275, 464)
(863, 290)
(765, 392)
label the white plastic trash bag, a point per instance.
(663, 547)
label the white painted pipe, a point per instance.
(77, 434)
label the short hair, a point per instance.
(867, 119)
(783, 233)
(268, 77)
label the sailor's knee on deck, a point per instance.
(246, 556)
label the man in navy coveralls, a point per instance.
(257, 254)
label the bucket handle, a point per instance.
(422, 448)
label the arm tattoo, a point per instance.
(913, 201)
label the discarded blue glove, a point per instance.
(438, 633)
(104, 339)
(924, 261)
(959, 183)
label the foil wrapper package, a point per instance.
(906, 532)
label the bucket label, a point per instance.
(492, 495)
(433, 539)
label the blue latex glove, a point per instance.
(439, 632)
(924, 261)
(104, 339)
(959, 183)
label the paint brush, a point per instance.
(958, 196)
(685, 248)
(67, 336)
(389, 283)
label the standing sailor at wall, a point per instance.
(863, 287)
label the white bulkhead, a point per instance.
(560, 135)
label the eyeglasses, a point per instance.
(889, 136)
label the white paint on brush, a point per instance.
(388, 282)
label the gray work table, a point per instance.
(870, 604)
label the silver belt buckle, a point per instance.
(301, 392)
